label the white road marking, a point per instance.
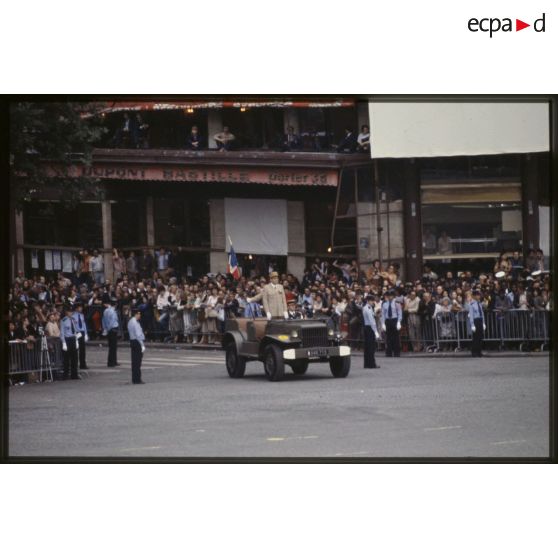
(159, 361)
(507, 442)
(351, 453)
(441, 428)
(281, 439)
(164, 364)
(142, 449)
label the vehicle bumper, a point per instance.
(316, 353)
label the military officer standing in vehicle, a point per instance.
(79, 320)
(477, 323)
(70, 343)
(391, 324)
(137, 345)
(110, 329)
(273, 298)
(370, 333)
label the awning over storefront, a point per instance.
(139, 105)
(249, 167)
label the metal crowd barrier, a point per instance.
(521, 330)
(42, 357)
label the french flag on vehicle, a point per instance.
(232, 267)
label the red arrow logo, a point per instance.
(519, 25)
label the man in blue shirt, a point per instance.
(370, 333)
(391, 324)
(110, 329)
(137, 345)
(70, 343)
(477, 323)
(79, 320)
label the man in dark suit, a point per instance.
(291, 141)
(127, 133)
(349, 142)
(194, 142)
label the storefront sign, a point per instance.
(279, 176)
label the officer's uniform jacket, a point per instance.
(274, 301)
(370, 318)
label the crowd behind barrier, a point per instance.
(179, 308)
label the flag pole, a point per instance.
(230, 241)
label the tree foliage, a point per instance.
(56, 132)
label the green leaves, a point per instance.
(55, 132)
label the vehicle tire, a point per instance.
(236, 365)
(274, 365)
(299, 367)
(340, 366)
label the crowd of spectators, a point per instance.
(181, 308)
(134, 132)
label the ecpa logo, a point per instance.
(494, 24)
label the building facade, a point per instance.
(284, 206)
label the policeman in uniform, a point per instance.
(477, 323)
(370, 333)
(110, 329)
(79, 320)
(137, 345)
(391, 324)
(70, 342)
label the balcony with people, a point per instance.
(261, 132)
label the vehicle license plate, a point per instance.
(320, 352)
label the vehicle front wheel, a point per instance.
(274, 365)
(236, 365)
(299, 367)
(340, 366)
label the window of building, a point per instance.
(470, 221)
(181, 222)
(129, 223)
(52, 224)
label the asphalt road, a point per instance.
(410, 407)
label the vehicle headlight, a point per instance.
(330, 332)
(294, 333)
